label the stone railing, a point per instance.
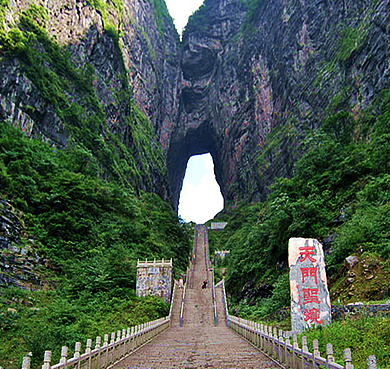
(214, 299)
(113, 348)
(277, 344)
(183, 299)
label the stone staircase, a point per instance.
(199, 343)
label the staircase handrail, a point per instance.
(224, 301)
(214, 299)
(277, 344)
(172, 299)
(182, 305)
(115, 347)
(121, 345)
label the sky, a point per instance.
(180, 10)
(200, 197)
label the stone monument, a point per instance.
(154, 278)
(310, 301)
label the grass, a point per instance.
(364, 335)
(35, 321)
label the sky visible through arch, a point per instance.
(200, 197)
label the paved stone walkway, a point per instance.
(198, 343)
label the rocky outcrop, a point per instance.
(20, 265)
(129, 55)
(243, 70)
(247, 71)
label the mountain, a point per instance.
(252, 66)
(242, 69)
(102, 105)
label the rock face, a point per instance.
(129, 55)
(281, 63)
(20, 265)
(243, 70)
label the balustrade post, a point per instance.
(371, 362)
(266, 339)
(258, 335)
(282, 346)
(316, 351)
(118, 336)
(112, 338)
(262, 339)
(304, 345)
(348, 359)
(46, 360)
(275, 346)
(98, 342)
(105, 344)
(105, 352)
(89, 346)
(288, 341)
(26, 362)
(143, 336)
(295, 341)
(77, 349)
(132, 339)
(287, 356)
(305, 351)
(137, 335)
(64, 355)
(329, 353)
(295, 353)
(270, 340)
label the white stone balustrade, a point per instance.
(122, 344)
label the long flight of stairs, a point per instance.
(199, 343)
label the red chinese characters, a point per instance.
(306, 253)
(310, 290)
(312, 315)
(309, 272)
(310, 295)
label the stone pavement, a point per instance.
(198, 343)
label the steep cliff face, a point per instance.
(96, 79)
(69, 67)
(250, 68)
(203, 125)
(244, 69)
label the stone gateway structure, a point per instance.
(310, 301)
(154, 278)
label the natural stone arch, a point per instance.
(195, 141)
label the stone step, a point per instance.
(198, 343)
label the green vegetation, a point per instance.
(338, 194)
(86, 207)
(350, 40)
(162, 16)
(113, 6)
(199, 21)
(39, 321)
(92, 232)
(70, 93)
(365, 336)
